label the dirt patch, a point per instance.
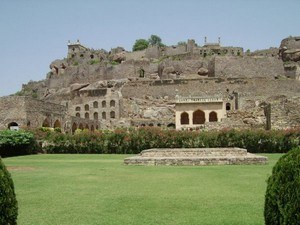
(20, 168)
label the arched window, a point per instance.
(46, 123)
(87, 115)
(95, 104)
(228, 106)
(92, 128)
(213, 117)
(184, 118)
(112, 103)
(104, 115)
(112, 114)
(95, 116)
(103, 104)
(78, 115)
(77, 108)
(86, 107)
(74, 127)
(198, 117)
(57, 124)
(81, 126)
(87, 127)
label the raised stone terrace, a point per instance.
(195, 157)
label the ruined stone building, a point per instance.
(183, 86)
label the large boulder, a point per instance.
(202, 71)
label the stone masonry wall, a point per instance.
(248, 67)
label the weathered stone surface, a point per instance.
(202, 71)
(195, 157)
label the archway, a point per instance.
(213, 117)
(184, 118)
(46, 123)
(104, 115)
(198, 117)
(78, 115)
(77, 108)
(228, 106)
(95, 104)
(95, 116)
(92, 128)
(74, 127)
(87, 115)
(103, 104)
(81, 126)
(86, 107)
(87, 127)
(57, 124)
(171, 125)
(112, 114)
(13, 126)
(112, 103)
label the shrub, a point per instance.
(8, 202)
(282, 200)
(140, 44)
(14, 143)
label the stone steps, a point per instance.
(195, 157)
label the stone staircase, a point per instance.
(195, 157)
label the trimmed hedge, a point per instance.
(8, 202)
(13, 143)
(133, 141)
(282, 200)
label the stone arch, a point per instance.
(228, 106)
(13, 126)
(77, 108)
(57, 124)
(87, 115)
(104, 115)
(103, 104)
(86, 107)
(74, 127)
(78, 115)
(171, 125)
(80, 126)
(112, 114)
(142, 73)
(198, 117)
(112, 103)
(184, 118)
(213, 117)
(46, 123)
(95, 116)
(87, 127)
(92, 128)
(95, 104)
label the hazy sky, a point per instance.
(35, 32)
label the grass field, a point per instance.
(99, 189)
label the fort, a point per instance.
(185, 86)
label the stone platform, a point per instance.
(195, 157)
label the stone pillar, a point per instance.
(267, 112)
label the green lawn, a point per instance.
(99, 189)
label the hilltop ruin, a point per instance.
(186, 86)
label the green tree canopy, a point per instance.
(155, 40)
(140, 44)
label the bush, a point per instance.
(140, 44)
(8, 202)
(13, 143)
(133, 141)
(282, 200)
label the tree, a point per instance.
(8, 202)
(155, 40)
(283, 191)
(140, 44)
